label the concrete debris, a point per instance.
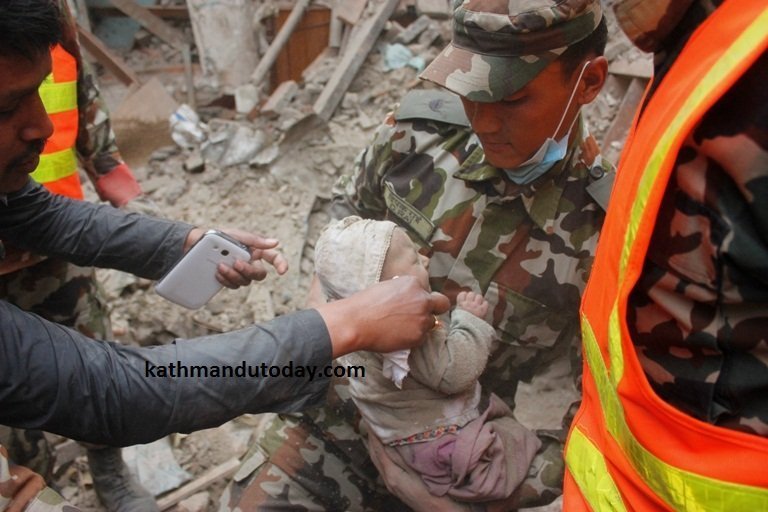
(280, 99)
(414, 30)
(195, 503)
(141, 121)
(246, 98)
(194, 162)
(212, 19)
(271, 170)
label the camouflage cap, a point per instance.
(499, 46)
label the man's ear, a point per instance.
(593, 80)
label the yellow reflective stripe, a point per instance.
(588, 468)
(614, 347)
(740, 48)
(58, 97)
(55, 166)
(681, 490)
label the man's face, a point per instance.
(513, 129)
(24, 124)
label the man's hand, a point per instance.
(23, 487)
(243, 272)
(405, 483)
(387, 316)
(17, 259)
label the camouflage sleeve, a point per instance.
(96, 146)
(360, 193)
(95, 143)
(14, 481)
(453, 363)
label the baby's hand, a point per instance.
(473, 303)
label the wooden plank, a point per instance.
(172, 12)
(353, 58)
(152, 23)
(280, 98)
(350, 10)
(106, 58)
(433, 8)
(619, 129)
(639, 68)
(224, 470)
(280, 39)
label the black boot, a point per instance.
(115, 486)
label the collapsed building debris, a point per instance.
(271, 153)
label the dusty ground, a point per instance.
(286, 199)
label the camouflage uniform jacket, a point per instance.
(699, 312)
(96, 146)
(527, 249)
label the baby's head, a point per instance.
(354, 253)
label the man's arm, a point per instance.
(90, 235)
(55, 379)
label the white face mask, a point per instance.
(550, 152)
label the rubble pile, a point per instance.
(265, 160)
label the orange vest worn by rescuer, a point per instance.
(57, 170)
(628, 449)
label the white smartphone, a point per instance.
(191, 282)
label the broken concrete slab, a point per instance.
(230, 59)
(141, 122)
(413, 30)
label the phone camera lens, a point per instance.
(225, 252)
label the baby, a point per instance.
(427, 405)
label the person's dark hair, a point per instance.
(592, 45)
(28, 28)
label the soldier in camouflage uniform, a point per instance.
(70, 295)
(518, 229)
(699, 312)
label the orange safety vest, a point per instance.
(57, 170)
(627, 448)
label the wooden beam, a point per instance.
(266, 62)
(354, 56)
(621, 124)
(224, 470)
(152, 23)
(179, 12)
(106, 58)
(350, 10)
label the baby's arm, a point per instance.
(452, 362)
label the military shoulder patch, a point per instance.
(433, 104)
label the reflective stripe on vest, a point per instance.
(59, 95)
(670, 460)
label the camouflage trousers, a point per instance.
(318, 461)
(46, 500)
(63, 293)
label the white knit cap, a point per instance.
(350, 254)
